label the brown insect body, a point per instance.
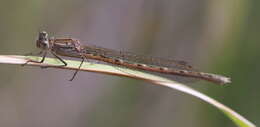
(72, 48)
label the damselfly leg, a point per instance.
(42, 60)
(75, 73)
(54, 54)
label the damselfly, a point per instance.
(73, 48)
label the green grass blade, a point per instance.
(120, 71)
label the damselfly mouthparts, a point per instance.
(72, 48)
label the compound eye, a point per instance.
(43, 41)
(43, 36)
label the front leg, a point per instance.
(42, 60)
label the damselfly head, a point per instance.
(43, 40)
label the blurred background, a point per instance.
(214, 36)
